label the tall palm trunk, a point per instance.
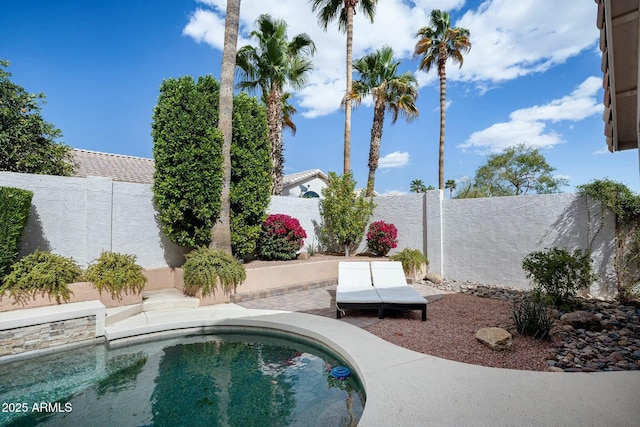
(274, 123)
(350, 6)
(442, 60)
(376, 136)
(221, 229)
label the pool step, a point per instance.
(167, 299)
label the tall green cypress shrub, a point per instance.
(188, 176)
(14, 214)
(250, 177)
(188, 163)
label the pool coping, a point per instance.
(407, 388)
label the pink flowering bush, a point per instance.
(382, 237)
(281, 237)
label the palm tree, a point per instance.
(451, 185)
(437, 43)
(221, 229)
(417, 186)
(268, 67)
(328, 10)
(288, 111)
(379, 78)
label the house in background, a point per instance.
(307, 184)
(618, 23)
(140, 170)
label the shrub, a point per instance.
(14, 214)
(250, 173)
(532, 317)
(558, 275)
(206, 269)
(188, 157)
(281, 238)
(188, 164)
(382, 237)
(411, 259)
(116, 273)
(344, 212)
(41, 272)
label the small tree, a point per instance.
(417, 186)
(27, 142)
(344, 212)
(517, 170)
(451, 185)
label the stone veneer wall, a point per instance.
(46, 335)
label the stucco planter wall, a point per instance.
(82, 291)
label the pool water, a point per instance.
(213, 380)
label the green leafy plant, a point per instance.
(625, 205)
(207, 269)
(411, 259)
(117, 273)
(281, 238)
(344, 212)
(532, 317)
(382, 237)
(250, 173)
(188, 158)
(44, 273)
(14, 214)
(558, 274)
(312, 248)
(28, 141)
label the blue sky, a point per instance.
(531, 77)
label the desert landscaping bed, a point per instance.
(454, 320)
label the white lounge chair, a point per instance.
(354, 290)
(390, 283)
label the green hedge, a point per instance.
(14, 214)
(188, 159)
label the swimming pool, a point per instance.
(226, 379)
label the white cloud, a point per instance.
(510, 39)
(396, 159)
(528, 125)
(603, 150)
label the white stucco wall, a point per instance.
(485, 240)
(481, 240)
(81, 217)
(304, 210)
(57, 221)
(406, 213)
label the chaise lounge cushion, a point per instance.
(354, 284)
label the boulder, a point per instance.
(303, 256)
(495, 338)
(434, 278)
(581, 320)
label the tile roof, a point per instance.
(115, 166)
(297, 177)
(140, 169)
